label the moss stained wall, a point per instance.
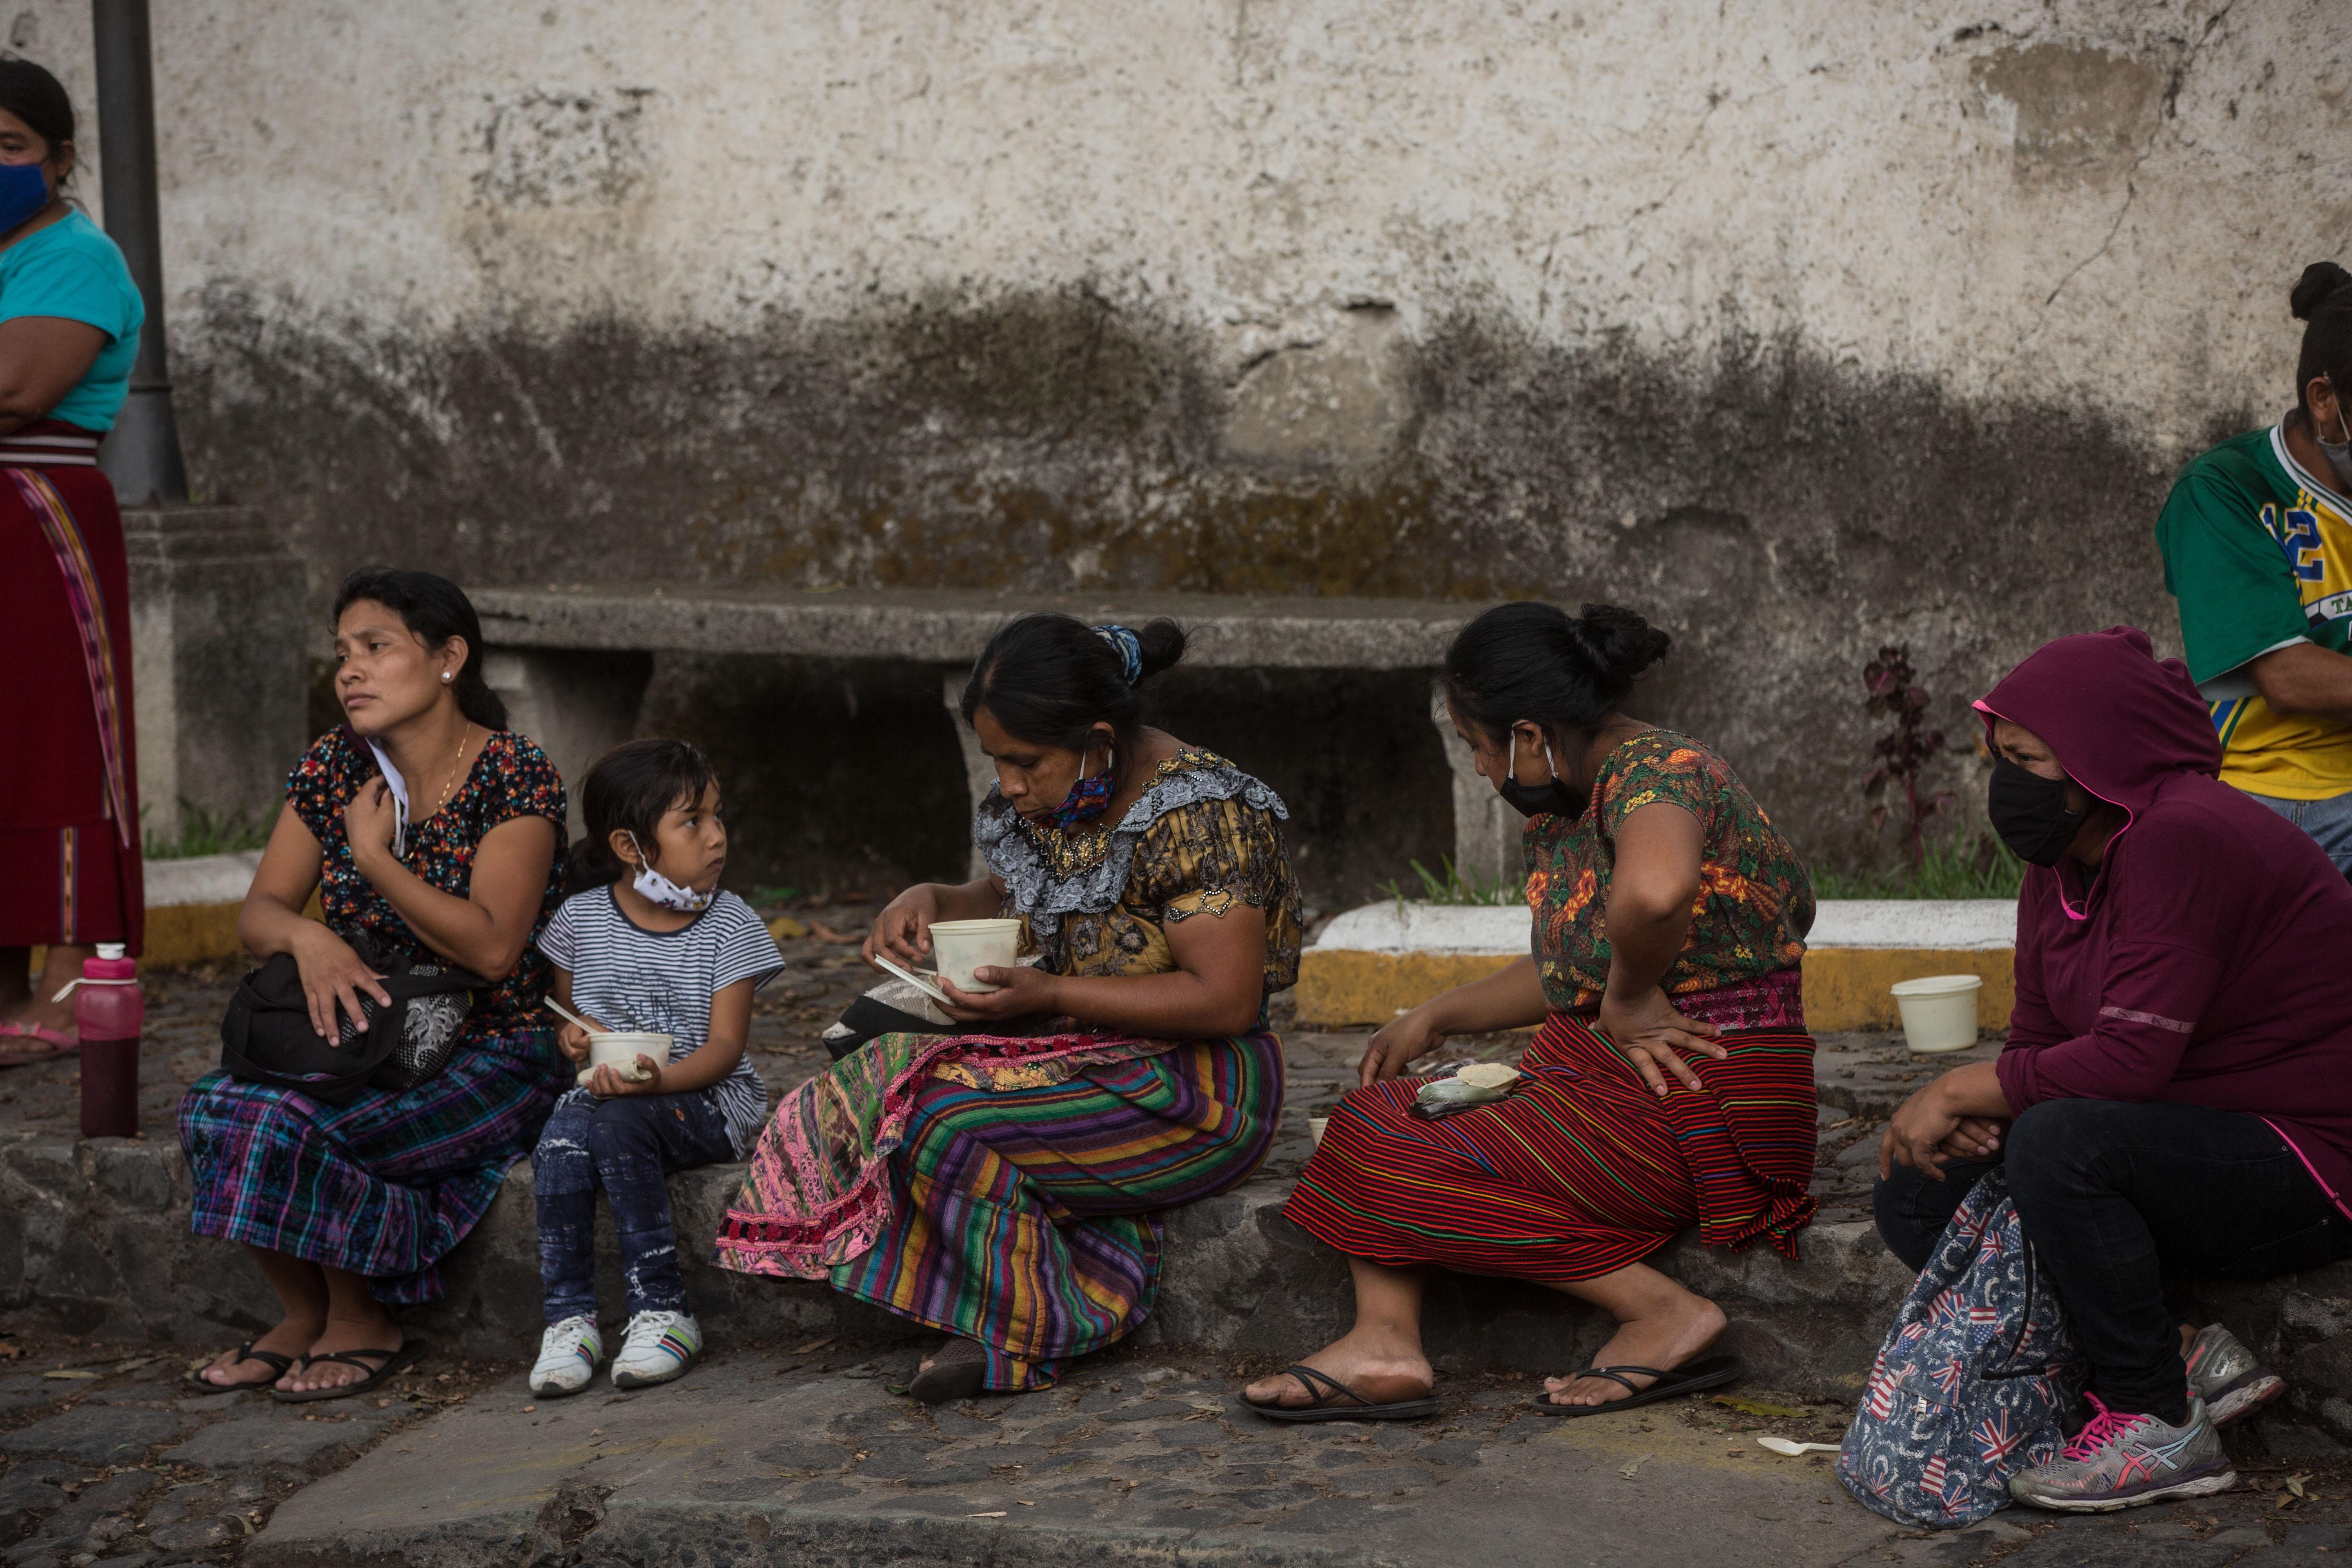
(1802, 328)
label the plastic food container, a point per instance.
(620, 1050)
(1939, 1012)
(958, 947)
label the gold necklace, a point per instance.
(464, 735)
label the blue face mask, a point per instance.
(23, 192)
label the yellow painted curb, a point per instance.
(1845, 987)
(181, 935)
(1339, 986)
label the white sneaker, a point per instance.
(568, 1354)
(660, 1346)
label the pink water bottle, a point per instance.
(109, 1011)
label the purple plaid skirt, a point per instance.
(384, 1187)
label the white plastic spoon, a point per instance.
(1784, 1447)
(917, 981)
(592, 1028)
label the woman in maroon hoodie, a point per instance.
(2176, 1088)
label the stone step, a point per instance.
(94, 1240)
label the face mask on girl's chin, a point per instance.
(23, 192)
(659, 889)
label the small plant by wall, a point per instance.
(1904, 751)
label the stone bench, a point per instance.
(573, 661)
(94, 1240)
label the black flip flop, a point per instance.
(1323, 1409)
(1706, 1372)
(395, 1361)
(280, 1366)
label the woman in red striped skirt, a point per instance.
(1670, 918)
(69, 320)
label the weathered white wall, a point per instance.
(2102, 201)
(1802, 325)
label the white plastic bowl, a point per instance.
(620, 1049)
(962, 946)
(1939, 1012)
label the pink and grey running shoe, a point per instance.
(2122, 1461)
(2224, 1373)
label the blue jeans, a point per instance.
(624, 1145)
(2329, 822)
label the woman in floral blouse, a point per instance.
(433, 832)
(1670, 918)
(1007, 1181)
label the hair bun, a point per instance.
(2323, 283)
(1620, 644)
(1164, 644)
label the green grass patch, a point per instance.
(1452, 884)
(202, 832)
(1982, 869)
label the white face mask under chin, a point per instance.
(657, 889)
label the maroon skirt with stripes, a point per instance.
(1583, 1171)
(70, 865)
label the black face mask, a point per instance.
(1536, 800)
(2030, 813)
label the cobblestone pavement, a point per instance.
(809, 1455)
(805, 1454)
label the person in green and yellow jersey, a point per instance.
(2257, 542)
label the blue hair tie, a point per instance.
(1129, 648)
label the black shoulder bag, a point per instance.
(266, 1035)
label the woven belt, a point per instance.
(49, 451)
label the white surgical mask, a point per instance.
(399, 787)
(659, 889)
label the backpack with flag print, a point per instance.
(1973, 1379)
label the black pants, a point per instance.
(2111, 1195)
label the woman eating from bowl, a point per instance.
(1006, 1182)
(1669, 918)
(426, 825)
(2175, 1092)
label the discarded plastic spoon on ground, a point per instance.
(1784, 1447)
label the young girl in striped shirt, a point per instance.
(655, 948)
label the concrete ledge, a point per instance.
(94, 1240)
(1374, 962)
(952, 628)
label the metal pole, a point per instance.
(142, 454)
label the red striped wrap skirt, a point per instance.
(1581, 1170)
(70, 865)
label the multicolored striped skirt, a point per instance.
(1583, 1171)
(1031, 1220)
(384, 1187)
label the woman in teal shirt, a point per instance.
(69, 320)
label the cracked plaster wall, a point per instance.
(1801, 326)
